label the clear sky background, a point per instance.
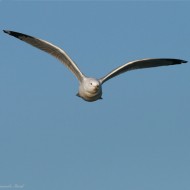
(136, 138)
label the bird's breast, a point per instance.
(90, 95)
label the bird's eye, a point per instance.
(91, 83)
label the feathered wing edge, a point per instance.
(51, 49)
(141, 64)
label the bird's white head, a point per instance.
(90, 89)
(92, 85)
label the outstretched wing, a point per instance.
(141, 64)
(49, 48)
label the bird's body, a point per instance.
(90, 89)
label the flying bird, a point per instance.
(90, 89)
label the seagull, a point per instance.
(90, 89)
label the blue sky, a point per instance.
(136, 138)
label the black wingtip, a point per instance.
(6, 31)
(183, 61)
(12, 33)
(17, 34)
(178, 61)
